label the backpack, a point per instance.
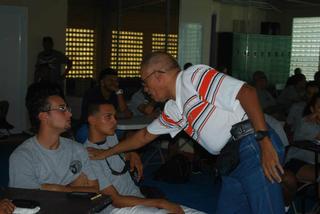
(176, 170)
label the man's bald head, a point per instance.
(161, 60)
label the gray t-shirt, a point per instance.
(32, 165)
(122, 183)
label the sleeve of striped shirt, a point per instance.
(167, 122)
(216, 88)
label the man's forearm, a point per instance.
(130, 201)
(136, 141)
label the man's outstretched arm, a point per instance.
(135, 141)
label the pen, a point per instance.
(96, 196)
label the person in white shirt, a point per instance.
(208, 105)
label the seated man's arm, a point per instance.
(135, 163)
(81, 184)
(85, 182)
(120, 201)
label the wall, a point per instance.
(285, 18)
(226, 14)
(45, 18)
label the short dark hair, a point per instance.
(187, 65)
(47, 39)
(37, 100)
(316, 76)
(94, 107)
(258, 75)
(106, 72)
(297, 71)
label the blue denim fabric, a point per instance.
(246, 190)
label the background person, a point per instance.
(54, 60)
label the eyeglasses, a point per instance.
(144, 81)
(61, 108)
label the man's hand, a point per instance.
(6, 207)
(82, 181)
(135, 162)
(171, 207)
(96, 154)
(270, 161)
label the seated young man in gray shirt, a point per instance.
(48, 161)
(114, 179)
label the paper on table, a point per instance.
(19, 210)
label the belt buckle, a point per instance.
(240, 132)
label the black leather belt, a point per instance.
(241, 129)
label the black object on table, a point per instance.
(58, 202)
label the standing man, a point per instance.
(53, 59)
(48, 161)
(208, 105)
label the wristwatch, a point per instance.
(259, 135)
(120, 91)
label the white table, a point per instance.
(134, 123)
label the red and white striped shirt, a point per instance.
(205, 108)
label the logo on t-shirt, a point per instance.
(75, 166)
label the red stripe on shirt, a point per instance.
(167, 119)
(189, 130)
(192, 116)
(206, 82)
(194, 113)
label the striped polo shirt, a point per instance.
(205, 108)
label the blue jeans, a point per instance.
(247, 190)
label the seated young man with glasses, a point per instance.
(113, 175)
(47, 161)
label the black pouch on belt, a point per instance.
(229, 158)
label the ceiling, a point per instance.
(160, 5)
(277, 5)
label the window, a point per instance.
(126, 53)
(80, 48)
(159, 43)
(190, 39)
(305, 45)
